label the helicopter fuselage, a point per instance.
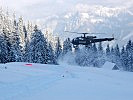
(88, 40)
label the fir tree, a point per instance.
(82, 57)
(129, 55)
(58, 49)
(37, 52)
(117, 56)
(132, 56)
(112, 55)
(15, 47)
(7, 38)
(101, 56)
(3, 49)
(67, 46)
(108, 53)
(123, 57)
(21, 32)
(51, 55)
(94, 55)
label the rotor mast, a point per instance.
(84, 35)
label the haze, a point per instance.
(38, 9)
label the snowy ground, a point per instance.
(63, 82)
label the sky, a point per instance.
(37, 9)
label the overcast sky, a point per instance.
(35, 9)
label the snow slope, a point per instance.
(63, 82)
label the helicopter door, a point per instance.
(82, 42)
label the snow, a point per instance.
(128, 36)
(64, 82)
(108, 65)
(85, 15)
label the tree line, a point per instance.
(95, 56)
(25, 43)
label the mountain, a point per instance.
(117, 21)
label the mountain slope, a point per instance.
(86, 18)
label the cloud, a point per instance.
(34, 9)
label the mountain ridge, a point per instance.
(101, 19)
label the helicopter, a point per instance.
(87, 40)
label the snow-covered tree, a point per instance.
(87, 56)
(108, 53)
(67, 46)
(3, 49)
(15, 47)
(29, 30)
(132, 56)
(50, 55)
(37, 51)
(94, 55)
(58, 49)
(7, 38)
(117, 55)
(22, 33)
(101, 55)
(123, 57)
(112, 55)
(129, 55)
(84, 57)
(22, 41)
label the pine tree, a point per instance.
(101, 56)
(15, 47)
(37, 51)
(29, 31)
(7, 38)
(78, 54)
(83, 57)
(21, 32)
(3, 49)
(27, 50)
(16, 54)
(84, 61)
(51, 55)
(88, 56)
(112, 55)
(108, 53)
(123, 57)
(58, 49)
(129, 55)
(132, 56)
(117, 56)
(94, 55)
(67, 46)
(28, 54)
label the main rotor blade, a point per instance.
(76, 32)
(84, 32)
(71, 32)
(97, 33)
